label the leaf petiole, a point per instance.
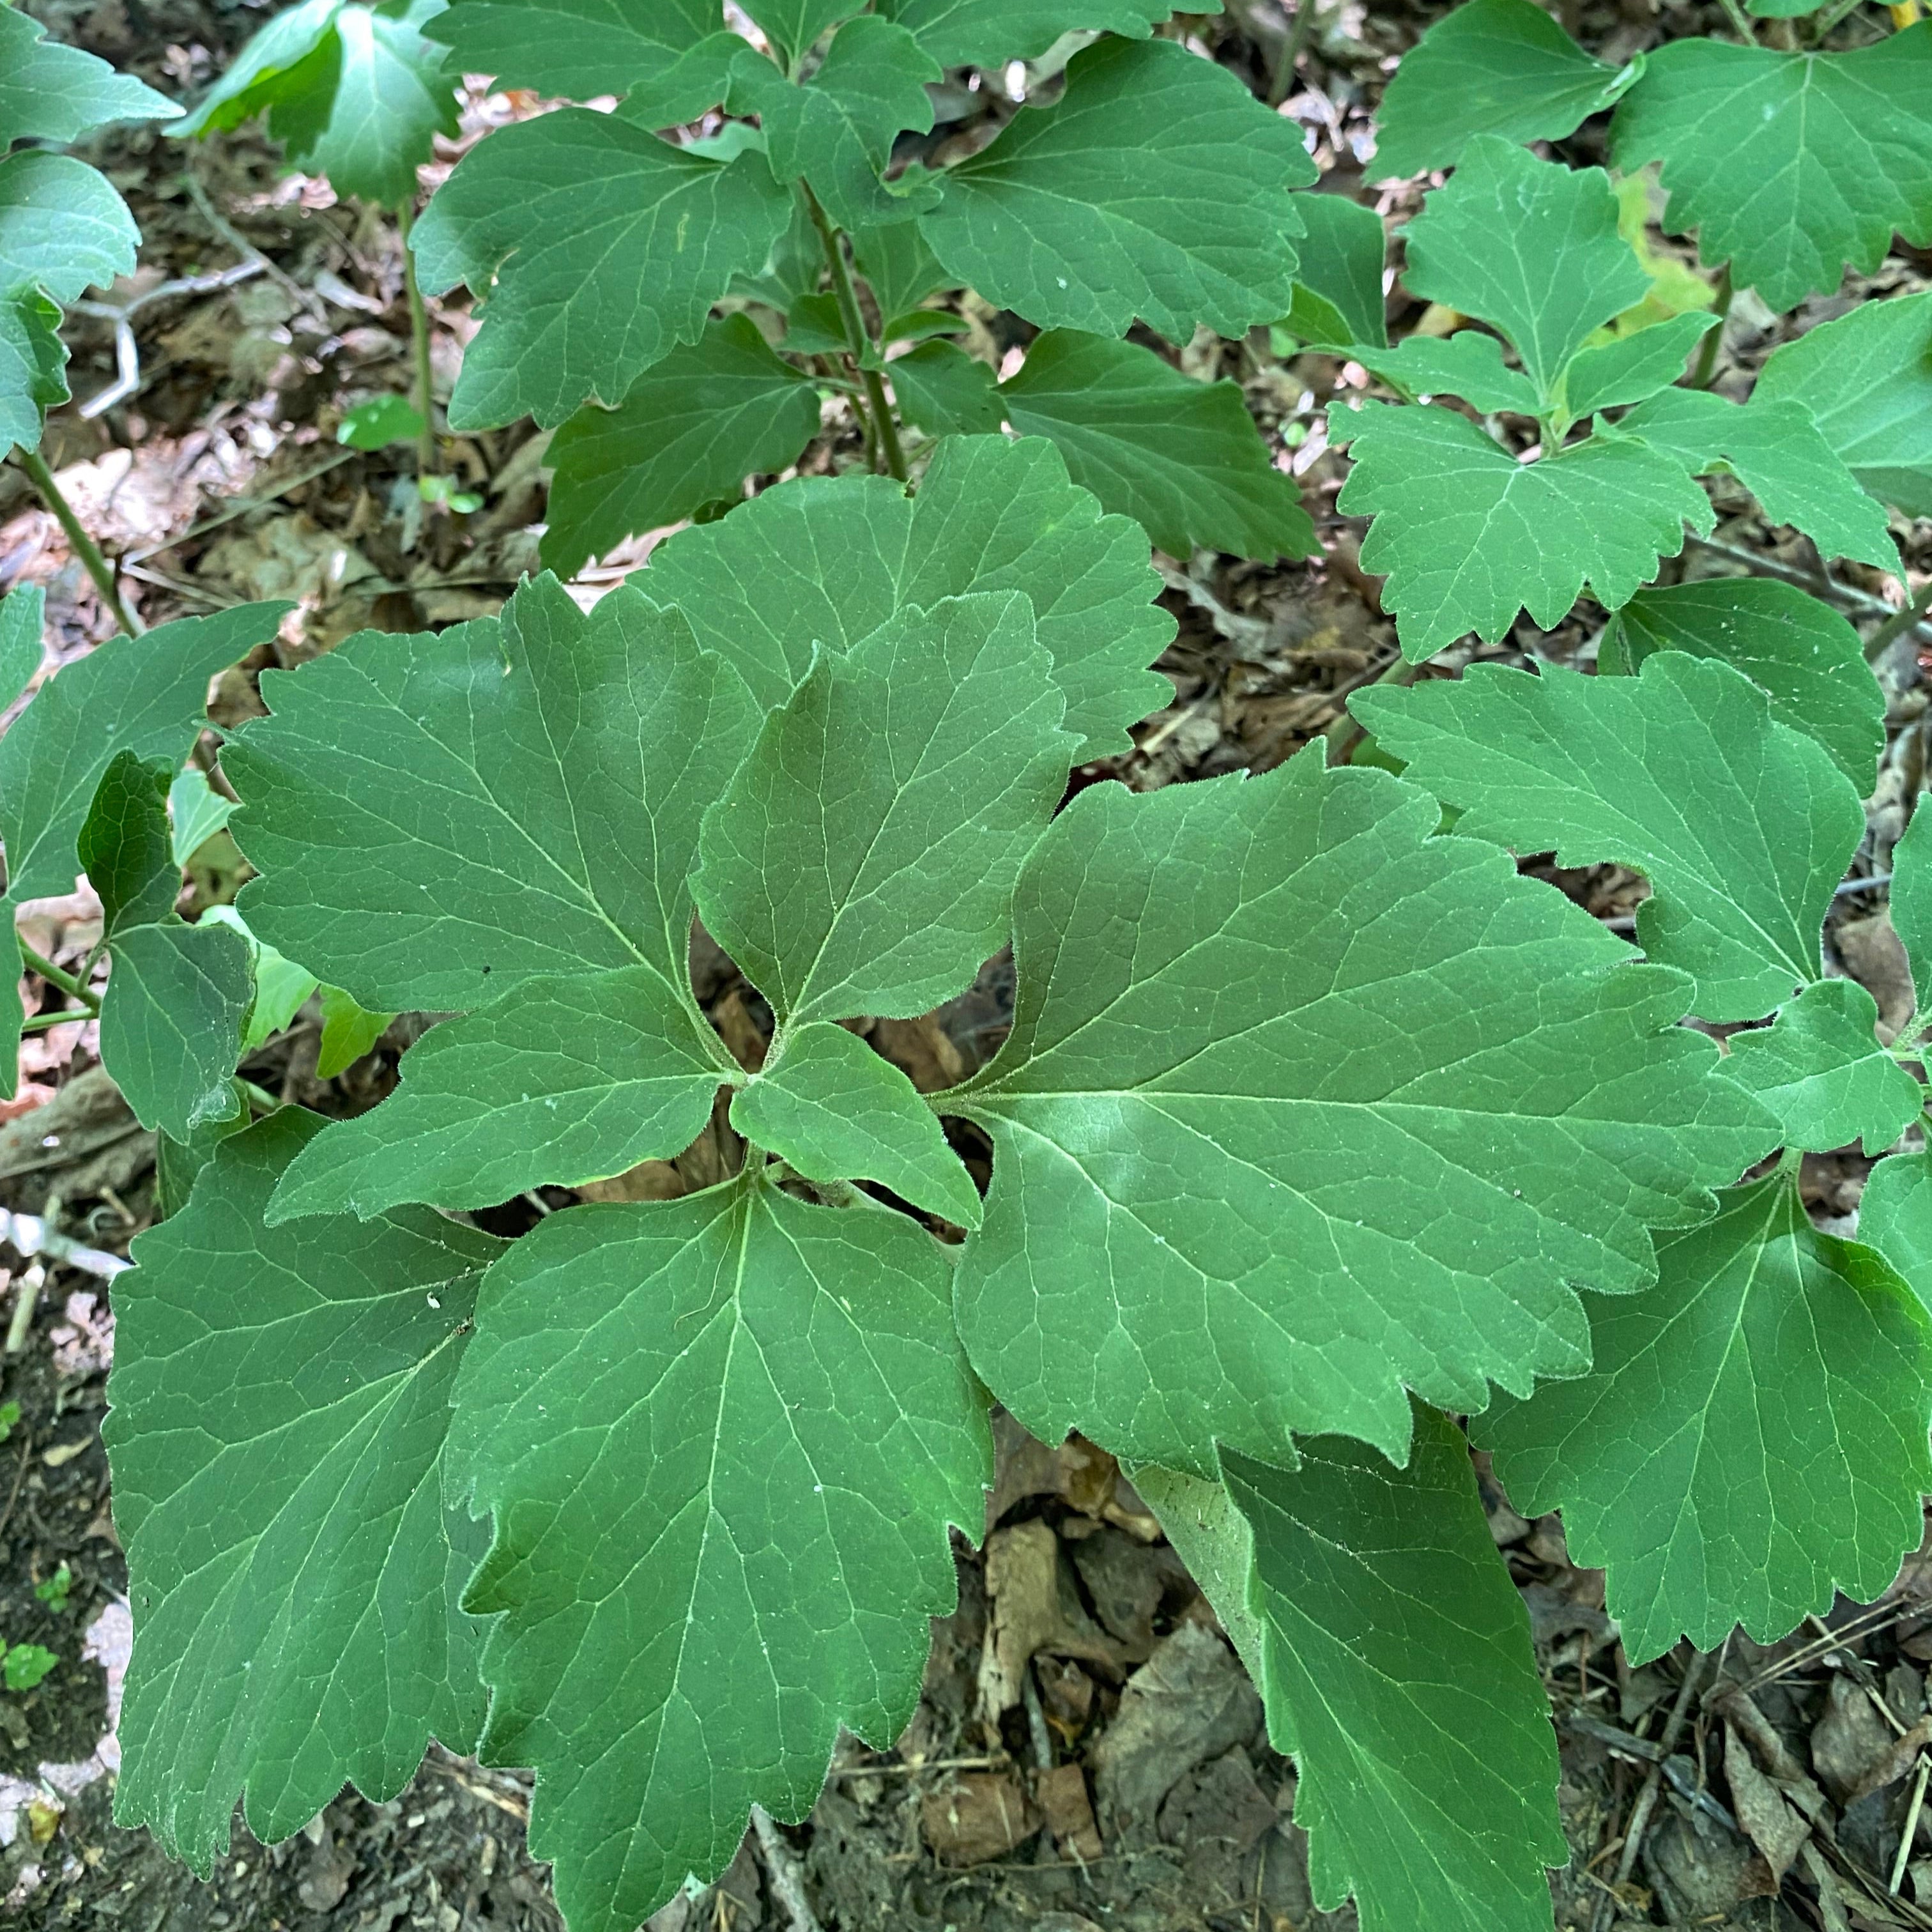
(882, 423)
(58, 977)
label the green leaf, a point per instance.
(282, 54)
(1211, 1535)
(921, 324)
(836, 129)
(1338, 278)
(1777, 453)
(1912, 901)
(50, 92)
(1789, 166)
(1468, 364)
(690, 431)
(33, 366)
(1467, 535)
(171, 1021)
(862, 858)
(794, 25)
(599, 249)
(1629, 367)
(22, 612)
(671, 59)
(946, 391)
(898, 266)
(829, 560)
(723, 1438)
(1810, 661)
(1493, 67)
(835, 1110)
(565, 1079)
(279, 1398)
(1530, 246)
(814, 326)
(1751, 1438)
(147, 695)
(62, 228)
(1157, 186)
(1867, 380)
(1302, 1104)
(988, 33)
(1895, 1217)
(438, 818)
(197, 811)
(1821, 1070)
(124, 847)
(348, 1032)
(282, 987)
(1182, 458)
(1397, 1672)
(380, 422)
(26, 1664)
(1743, 826)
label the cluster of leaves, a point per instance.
(1317, 1125)
(62, 225)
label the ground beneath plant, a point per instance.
(1088, 1755)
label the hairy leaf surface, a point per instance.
(1301, 1104)
(1157, 186)
(829, 560)
(1182, 458)
(836, 1111)
(723, 1438)
(1493, 67)
(1468, 536)
(595, 249)
(1809, 660)
(1397, 1671)
(691, 429)
(862, 859)
(437, 818)
(1752, 1434)
(1790, 166)
(50, 92)
(1742, 826)
(279, 1403)
(1867, 380)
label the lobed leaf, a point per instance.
(946, 392)
(1397, 1671)
(62, 228)
(1468, 536)
(827, 1105)
(438, 818)
(862, 859)
(1302, 1104)
(52, 92)
(688, 432)
(1155, 187)
(1502, 67)
(722, 1439)
(1867, 380)
(1468, 364)
(793, 26)
(1776, 451)
(1530, 246)
(1821, 1071)
(1338, 273)
(1628, 368)
(829, 560)
(595, 249)
(1743, 826)
(279, 1402)
(1808, 660)
(1183, 458)
(1790, 166)
(987, 33)
(1895, 1217)
(1751, 1437)
(33, 366)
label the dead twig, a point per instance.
(781, 1866)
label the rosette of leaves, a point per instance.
(85, 772)
(1308, 1121)
(1155, 189)
(1789, 166)
(1468, 534)
(63, 226)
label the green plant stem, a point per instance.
(85, 548)
(1343, 731)
(1292, 44)
(1898, 624)
(40, 1022)
(1740, 21)
(259, 1098)
(427, 464)
(1825, 22)
(887, 431)
(56, 976)
(1707, 349)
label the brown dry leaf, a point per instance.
(1069, 1812)
(977, 1815)
(1035, 1607)
(1770, 1823)
(1849, 1741)
(739, 1031)
(649, 1181)
(1897, 1758)
(922, 1050)
(1077, 1473)
(1874, 956)
(289, 555)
